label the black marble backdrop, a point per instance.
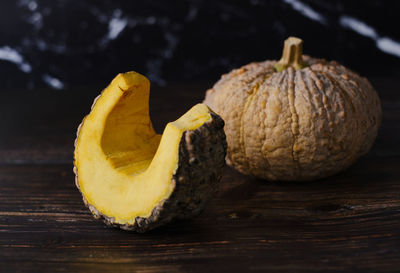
(66, 43)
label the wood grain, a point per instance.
(346, 223)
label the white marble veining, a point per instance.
(389, 46)
(118, 22)
(56, 42)
(53, 82)
(116, 25)
(306, 10)
(35, 17)
(11, 55)
(385, 44)
(358, 26)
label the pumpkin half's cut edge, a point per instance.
(124, 169)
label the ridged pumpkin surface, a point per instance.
(295, 124)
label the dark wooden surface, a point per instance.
(347, 223)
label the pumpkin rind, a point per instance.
(296, 124)
(200, 160)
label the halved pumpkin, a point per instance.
(136, 179)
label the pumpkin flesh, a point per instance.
(124, 168)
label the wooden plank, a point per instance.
(347, 221)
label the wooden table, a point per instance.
(349, 222)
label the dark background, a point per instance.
(68, 43)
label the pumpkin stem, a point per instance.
(292, 55)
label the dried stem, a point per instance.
(292, 55)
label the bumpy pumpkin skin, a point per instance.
(296, 124)
(200, 158)
(201, 161)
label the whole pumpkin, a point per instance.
(300, 118)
